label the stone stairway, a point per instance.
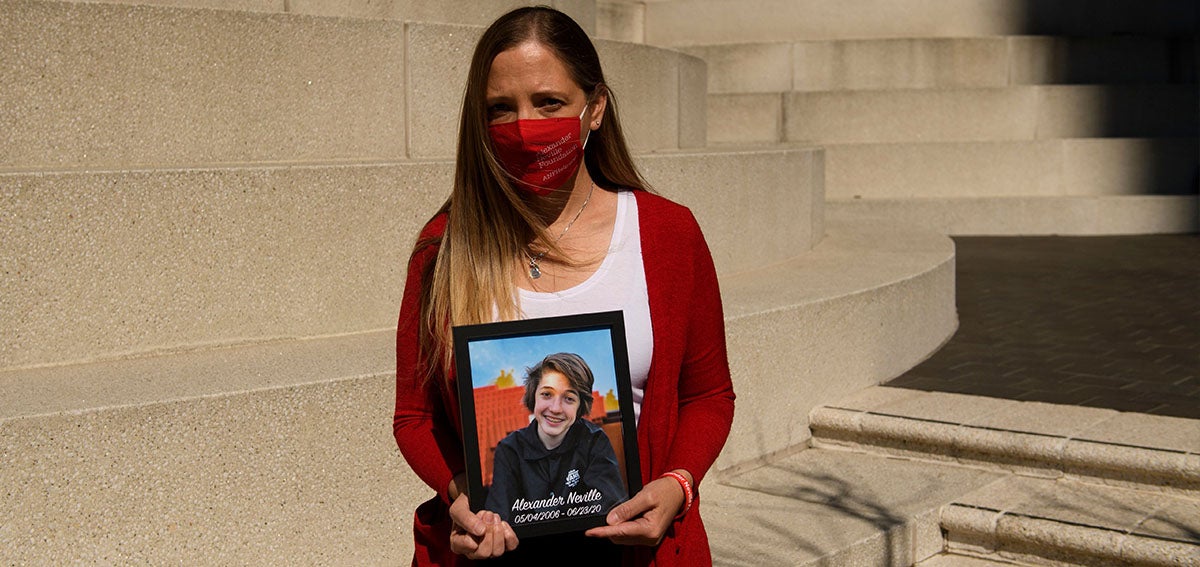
(999, 117)
(207, 207)
(903, 477)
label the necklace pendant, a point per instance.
(534, 271)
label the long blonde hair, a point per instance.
(489, 225)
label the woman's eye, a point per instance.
(572, 400)
(552, 104)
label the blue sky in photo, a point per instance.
(489, 356)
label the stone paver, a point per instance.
(834, 508)
(1106, 322)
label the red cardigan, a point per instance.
(686, 412)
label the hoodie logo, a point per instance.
(572, 478)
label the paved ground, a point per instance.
(1110, 322)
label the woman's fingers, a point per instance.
(510, 537)
(463, 517)
(645, 518)
(492, 537)
(630, 509)
(462, 542)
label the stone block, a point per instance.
(693, 103)
(746, 67)
(232, 5)
(621, 21)
(1177, 519)
(956, 560)
(930, 62)
(1066, 501)
(970, 529)
(1099, 60)
(308, 472)
(1046, 168)
(113, 86)
(745, 119)
(1041, 419)
(704, 22)
(701, 22)
(899, 64)
(584, 12)
(439, 56)
(945, 407)
(647, 84)
(178, 258)
(943, 170)
(147, 380)
(873, 398)
(1137, 166)
(773, 191)
(1040, 520)
(1031, 215)
(839, 508)
(832, 508)
(1116, 111)
(911, 115)
(467, 12)
(1141, 430)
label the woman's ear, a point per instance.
(599, 105)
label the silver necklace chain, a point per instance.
(535, 271)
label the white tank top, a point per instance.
(619, 284)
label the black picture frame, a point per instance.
(510, 348)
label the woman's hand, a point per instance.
(644, 519)
(479, 535)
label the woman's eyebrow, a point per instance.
(550, 93)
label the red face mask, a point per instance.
(540, 154)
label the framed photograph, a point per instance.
(547, 418)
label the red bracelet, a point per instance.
(687, 491)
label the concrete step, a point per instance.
(868, 489)
(232, 456)
(912, 63)
(1041, 168)
(1028, 216)
(705, 22)
(954, 115)
(780, 192)
(835, 509)
(101, 85)
(469, 12)
(1039, 520)
(1045, 440)
(959, 560)
(1081, 486)
(864, 305)
(176, 259)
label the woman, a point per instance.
(558, 453)
(529, 232)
